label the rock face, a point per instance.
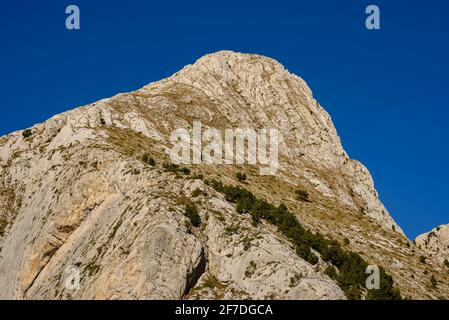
(436, 243)
(76, 192)
(260, 93)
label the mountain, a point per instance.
(94, 189)
(436, 243)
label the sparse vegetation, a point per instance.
(295, 280)
(234, 228)
(349, 267)
(196, 192)
(192, 213)
(446, 263)
(198, 176)
(3, 224)
(27, 133)
(174, 168)
(387, 290)
(10, 203)
(212, 283)
(246, 243)
(148, 160)
(433, 282)
(331, 272)
(92, 268)
(422, 259)
(250, 269)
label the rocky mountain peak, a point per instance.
(436, 243)
(93, 188)
(224, 63)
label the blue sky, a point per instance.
(386, 90)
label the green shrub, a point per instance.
(192, 213)
(446, 263)
(422, 259)
(334, 254)
(244, 205)
(198, 176)
(302, 195)
(351, 266)
(27, 133)
(196, 192)
(240, 176)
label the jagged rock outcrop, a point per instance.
(76, 191)
(260, 93)
(436, 243)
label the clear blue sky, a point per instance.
(387, 91)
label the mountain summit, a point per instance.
(91, 206)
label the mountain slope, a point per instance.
(78, 190)
(436, 243)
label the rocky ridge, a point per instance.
(75, 191)
(436, 243)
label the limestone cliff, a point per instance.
(77, 191)
(436, 243)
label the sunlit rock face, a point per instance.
(75, 191)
